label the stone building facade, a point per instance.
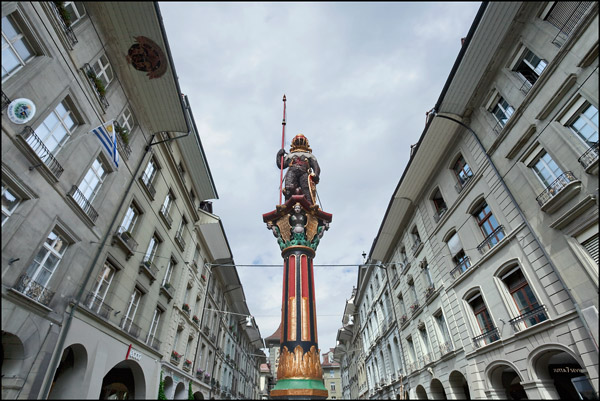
(490, 241)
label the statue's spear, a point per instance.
(282, 145)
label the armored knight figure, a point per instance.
(303, 169)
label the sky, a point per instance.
(358, 78)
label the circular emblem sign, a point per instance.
(147, 56)
(20, 111)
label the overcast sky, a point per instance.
(358, 77)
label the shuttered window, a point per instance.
(566, 14)
(591, 246)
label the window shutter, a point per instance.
(591, 246)
(566, 14)
(454, 245)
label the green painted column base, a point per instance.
(302, 388)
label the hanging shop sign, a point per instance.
(21, 111)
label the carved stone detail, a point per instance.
(299, 364)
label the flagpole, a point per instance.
(282, 145)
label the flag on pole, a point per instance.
(107, 136)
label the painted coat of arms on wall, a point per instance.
(147, 56)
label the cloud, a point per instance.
(358, 77)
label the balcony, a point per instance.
(125, 240)
(175, 358)
(154, 343)
(164, 213)
(97, 306)
(180, 241)
(196, 320)
(403, 320)
(147, 184)
(148, 267)
(460, 268)
(417, 246)
(167, 290)
(64, 20)
(589, 159)
(414, 308)
(488, 337)
(564, 188)
(33, 290)
(40, 152)
(129, 327)
(83, 203)
(530, 318)
(96, 85)
(412, 366)
(186, 309)
(187, 365)
(429, 291)
(497, 129)
(491, 240)
(526, 86)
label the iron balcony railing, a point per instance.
(530, 318)
(26, 286)
(556, 187)
(153, 342)
(497, 129)
(97, 305)
(148, 267)
(127, 238)
(40, 149)
(92, 78)
(526, 87)
(65, 24)
(460, 268)
(83, 203)
(488, 337)
(491, 240)
(129, 327)
(590, 156)
(124, 148)
(180, 241)
(165, 215)
(167, 289)
(147, 181)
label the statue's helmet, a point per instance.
(300, 144)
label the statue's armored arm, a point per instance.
(281, 153)
(315, 167)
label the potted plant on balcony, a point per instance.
(200, 374)
(97, 83)
(414, 307)
(186, 308)
(195, 319)
(64, 14)
(123, 133)
(167, 286)
(175, 355)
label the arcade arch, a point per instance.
(70, 374)
(459, 386)
(124, 381)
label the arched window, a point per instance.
(485, 324)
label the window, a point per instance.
(16, 49)
(424, 341)
(103, 70)
(150, 172)
(565, 15)
(166, 206)
(438, 203)
(502, 111)
(126, 119)
(91, 183)
(585, 126)
(154, 327)
(152, 248)
(134, 302)
(460, 260)
(484, 320)
(413, 290)
(402, 306)
(530, 67)
(442, 328)
(332, 385)
(46, 260)
(462, 171)
(56, 129)
(10, 201)
(411, 350)
(427, 273)
(331, 372)
(524, 298)
(546, 169)
(76, 11)
(180, 231)
(101, 287)
(131, 218)
(169, 271)
(488, 224)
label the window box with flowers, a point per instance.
(414, 307)
(186, 308)
(187, 364)
(200, 374)
(175, 357)
(403, 319)
(207, 378)
(196, 320)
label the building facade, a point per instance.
(490, 242)
(332, 375)
(107, 250)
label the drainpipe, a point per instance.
(536, 238)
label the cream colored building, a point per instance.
(490, 241)
(106, 260)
